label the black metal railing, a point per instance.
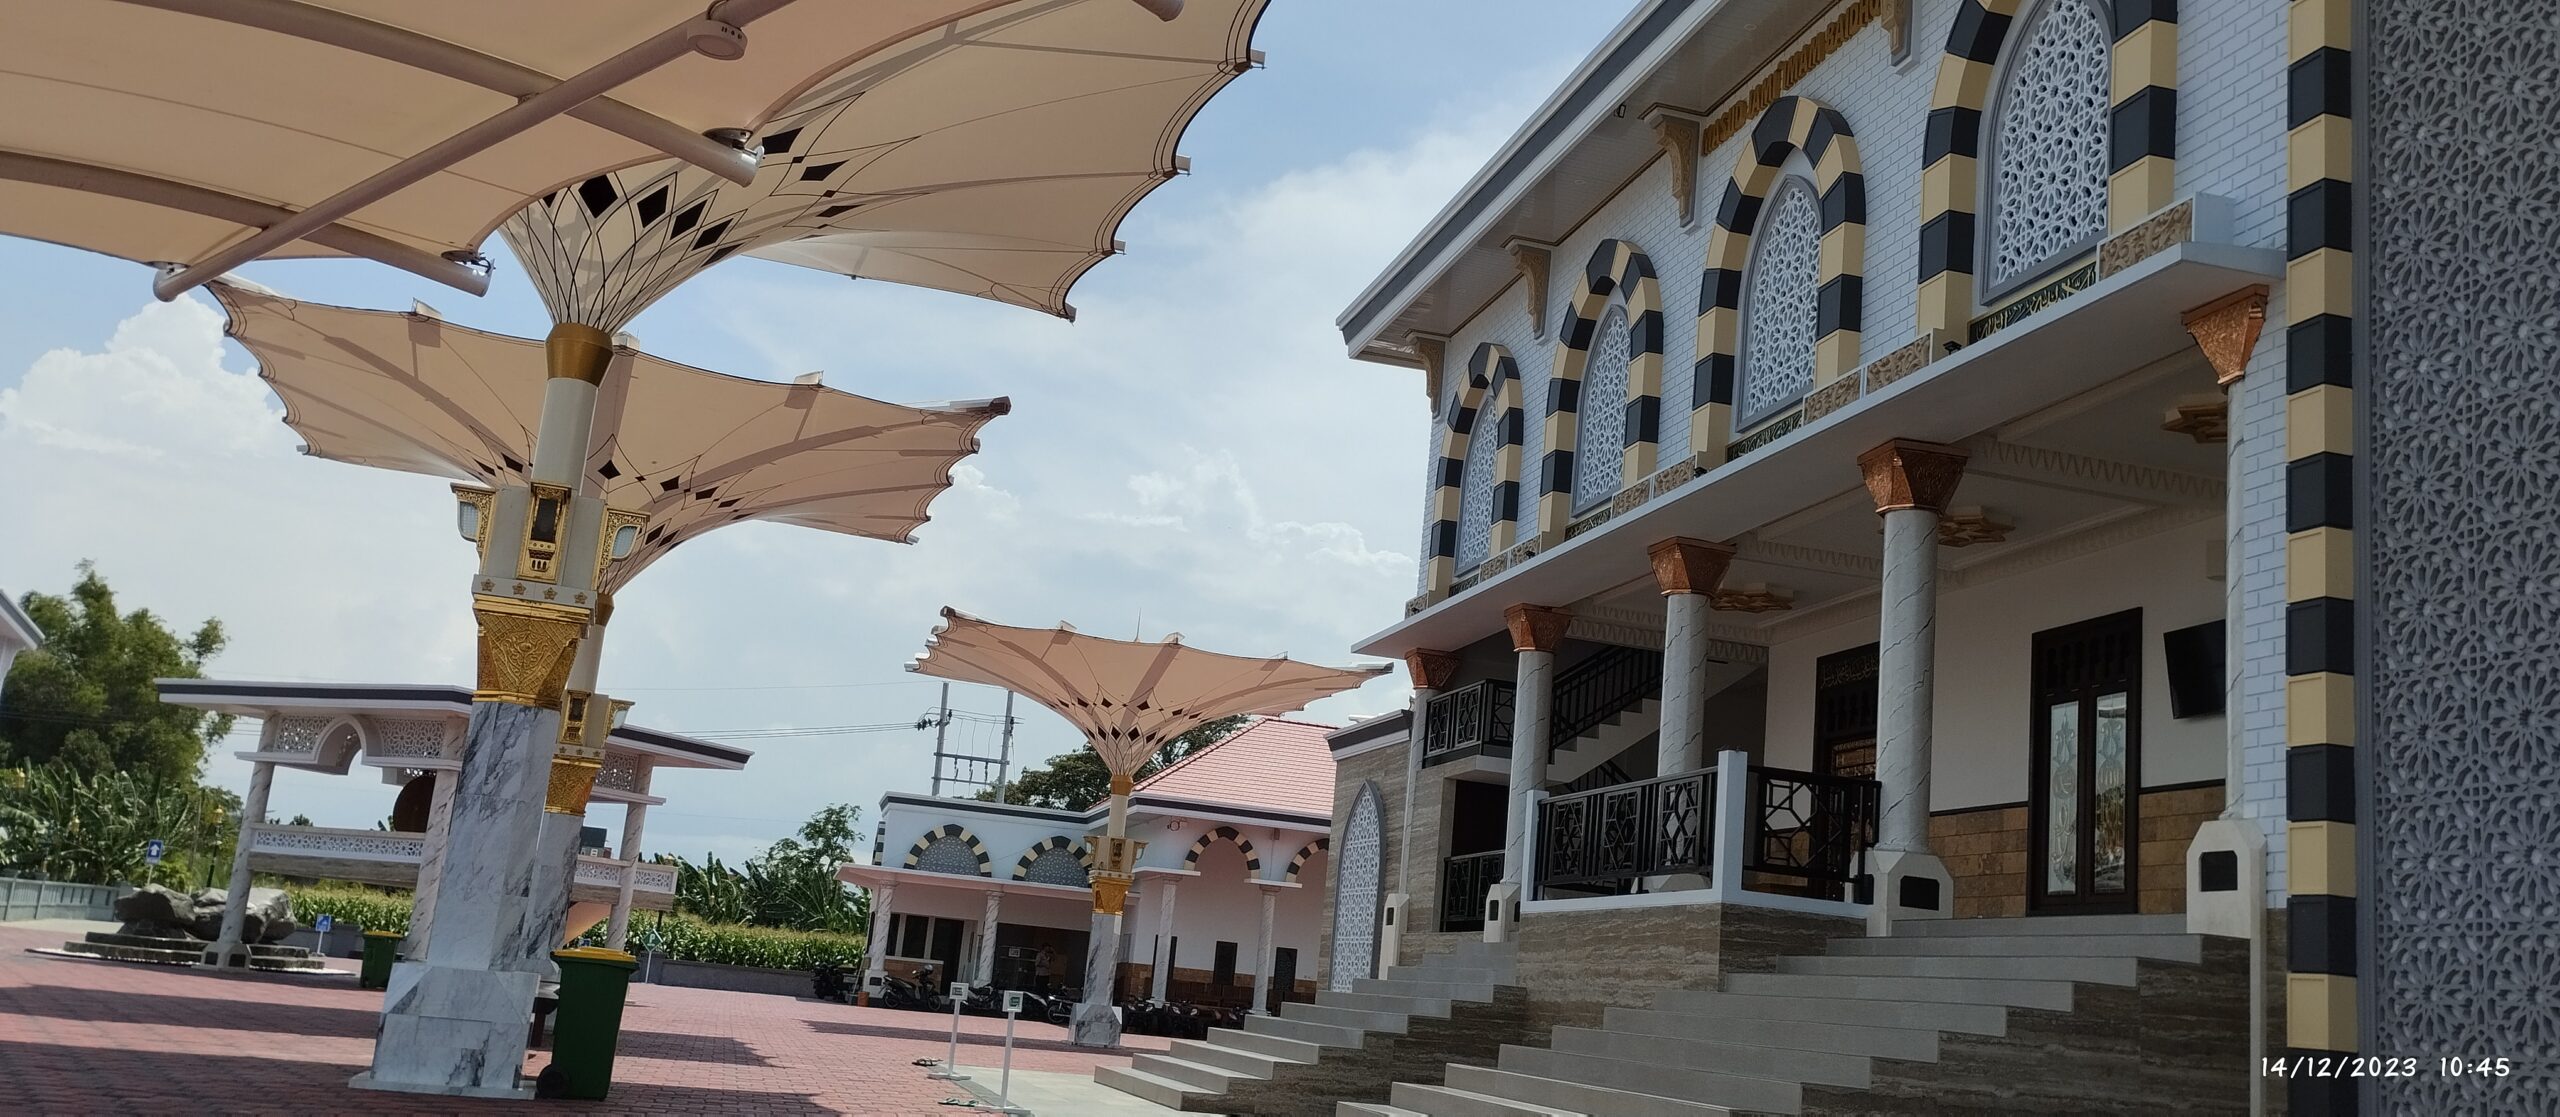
(1609, 839)
(1600, 688)
(1810, 827)
(1465, 880)
(1472, 719)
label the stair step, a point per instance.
(2169, 924)
(1452, 974)
(1305, 1031)
(1373, 1109)
(2053, 996)
(1727, 1089)
(1572, 1097)
(1787, 1064)
(1916, 1044)
(1142, 1085)
(1972, 1019)
(1449, 1101)
(1395, 1003)
(2099, 971)
(1194, 1076)
(2166, 948)
(1363, 1019)
(1432, 990)
(1260, 1043)
(1238, 1061)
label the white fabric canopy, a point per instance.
(169, 130)
(994, 158)
(696, 450)
(1128, 697)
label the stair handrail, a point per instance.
(1608, 684)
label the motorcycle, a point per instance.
(897, 992)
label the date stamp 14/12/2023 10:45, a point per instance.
(2385, 1066)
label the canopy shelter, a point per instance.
(207, 133)
(1129, 698)
(995, 157)
(690, 449)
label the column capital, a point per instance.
(1536, 628)
(1683, 565)
(1430, 670)
(1905, 473)
(2226, 330)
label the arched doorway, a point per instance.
(1355, 900)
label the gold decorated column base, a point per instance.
(573, 777)
(1115, 864)
(526, 649)
(1110, 892)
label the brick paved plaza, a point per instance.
(80, 1037)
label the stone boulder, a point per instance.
(156, 912)
(269, 917)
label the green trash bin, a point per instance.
(587, 1027)
(381, 949)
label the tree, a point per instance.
(792, 884)
(61, 822)
(87, 699)
(1077, 779)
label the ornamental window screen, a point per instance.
(1601, 429)
(2048, 181)
(1058, 866)
(1782, 308)
(1475, 499)
(1357, 879)
(946, 854)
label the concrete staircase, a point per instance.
(1457, 1005)
(1946, 1016)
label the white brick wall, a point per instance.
(2231, 142)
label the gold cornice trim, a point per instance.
(1683, 565)
(1905, 473)
(526, 649)
(576, 352)
(1110, 892)
(1430, 670)
(2227, 329)
(485, 501)
(572, 780)
(1746, 107)
(1537, 628)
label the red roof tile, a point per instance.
(1274, 763)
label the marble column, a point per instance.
(875, 947)
(1263, 957)
(1687, 571)
(618, 934)
(227, 950)
(1096, 1019)
(986, 975)
(1911, 483)
(422, 903)
(1164, 940)
(1537, 633)
(1431, 672)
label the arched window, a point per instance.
(1600, 438)
(2048, 180)
(1058, 866)
(1781, 306)
(946, 854)
(1475, 496)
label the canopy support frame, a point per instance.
(641, 58)
(300, 20)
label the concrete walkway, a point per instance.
(1056, 1094)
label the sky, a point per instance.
(1194, 454)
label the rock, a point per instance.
(156, 912)
(269, 917)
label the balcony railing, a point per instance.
(1609, 839)
(1599, 688)
(392, 857)
(1472, 720)
(1464, 882)
(1717, 824)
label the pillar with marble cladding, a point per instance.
(875, 947)
(1164, 940)
(1911, 483)
(986, 975)
(226, 949)
(618, 933)
(1095, 1020)
(1264, 956)
(1688, 572)
(422, 904)
(1430, 672)
(1537, 633)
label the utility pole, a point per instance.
(1004, 752)
(941, 727)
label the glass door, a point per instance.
(2086, 752)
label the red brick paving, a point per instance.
(81, 1037)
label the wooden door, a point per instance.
(2085, 745)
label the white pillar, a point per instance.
(875, 948)
(1911, 483)
(987, 939)
(1536, 633)
(1096, 1020)
(1264, 959)
(1164, 940)
(1687, 571)
(1431, 672)
(227, 949)
(422, 903)
(619, 932)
